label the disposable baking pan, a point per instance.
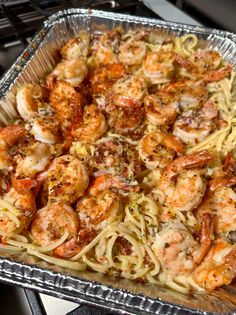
(118, 295)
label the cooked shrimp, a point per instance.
(229, 163)
(183, 183)
(219, 266)
(37, 113)
(111, 38)
(66, 103)
(9, 136)
(205, 60)
(92, 127)
(178, 251)
(158, 67)
(133, 51)
(76, 47)
(28, 100)
(36, 160)
(51, 222)
(111, 182)
(217, 75)
(105, 76)
(224, 206)
(25, 185)
(109, 204)
(220, 200)
(222, 181)
(187, 193)
(190, 94)
(99, 208)
(45, 129)
(126, 121)
(67, 179)
(158, 149)
(129, 91)
(116, 157)
(72, 71)
(16, 212)
(161, 108)
(193, 128)
(102, 54)
(206, 65)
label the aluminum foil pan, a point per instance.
(119, 295)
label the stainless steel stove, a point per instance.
(19, 20)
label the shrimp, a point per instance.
(9, 136)
(178, 251)
(220, 200)
(161, 109)
(111, 38)
(67, 179)
(36, 160)
(38, 114)
(222, 181)
(66, 103)
(193, 128)
(219, 266)
(16, 212)
(72, 71)
(116, 157)
(76, 47)
(127, 121)
(111, 182)
(45, 129)
(217, 75)
(129, 91)
(182, 181)
(224, 206)
(229, 163)
(29, 99)
(102, 54)
(188, 93)
(206, 65)
(92, 127)
(99, 208)
(205, 60)
(133, 51)
(51, 222)
(105, 76)
(25, 186)
(158, 149)
(158, 67)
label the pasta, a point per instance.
(122, 161)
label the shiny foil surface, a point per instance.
(116, 294)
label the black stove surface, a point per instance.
(22, 18)
(19, 20)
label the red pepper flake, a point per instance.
(26, 54)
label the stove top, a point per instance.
(22, 18)
(19, 20)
